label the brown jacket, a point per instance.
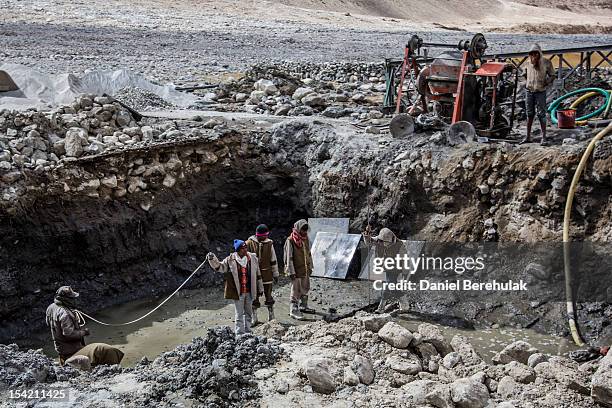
(298, 261)
(68, 337)
(266, 254)
(230, 270)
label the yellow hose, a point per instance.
(571, 313)
(578, 101)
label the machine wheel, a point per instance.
(478, 46)
(462, 131)
(401, 125)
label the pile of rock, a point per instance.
(373, 360)
(217, 369)
(330, 71)
(141, 99)
(26, 368)
(293, 89)
(38, 140)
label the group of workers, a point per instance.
(250, 272)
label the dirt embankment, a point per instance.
(137, 219)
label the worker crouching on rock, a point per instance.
(242, 282)
(540, 74)
(263, 246)
(69, 335)
(298, 266)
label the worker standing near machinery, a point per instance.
(242, 282)
(540, 74)
(298, 266)
(263, 246)
(69, 335)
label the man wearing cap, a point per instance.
(298, 265)
(540, 74)
(242, 282)
(69, 336)
(386, 245)
(263, 246)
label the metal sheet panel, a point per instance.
(332, 254)
(339, 225)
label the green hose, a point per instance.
(552, 109)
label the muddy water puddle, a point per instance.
(192, 312)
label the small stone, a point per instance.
(169, 181)
(451, 360)
(350, 378)
(110, 182)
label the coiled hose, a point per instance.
(552, 108)
(569, 296)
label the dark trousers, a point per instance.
(535, 100)
(268, 295)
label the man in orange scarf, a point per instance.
(298, 265)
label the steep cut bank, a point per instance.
(139, 218)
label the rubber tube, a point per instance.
(583, 98)
(552, 108)
(569, 296)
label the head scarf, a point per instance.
(297, 235)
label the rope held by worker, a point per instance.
(81, 315)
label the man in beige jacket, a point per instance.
(540, 74)
(298, 265)
(242, 282)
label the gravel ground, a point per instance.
(178, 50)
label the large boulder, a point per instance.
(301, 93)
(469, 393)
(440, 397)
(508, 388)
(318, 372)
(564, 371)
(415, 393)
(468, 354)
(373, 322)
(432, 334)
(520, 372)
(362, 366)
(518, 351)
(266, 86)
(601, 384)
(313, 99)
(395, 335)
(408, 366)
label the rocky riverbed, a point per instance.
(362, 361)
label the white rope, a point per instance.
(80, 314)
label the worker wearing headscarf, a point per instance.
(298, 266)
(386, 245)
(242, 282)
(263, 246)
